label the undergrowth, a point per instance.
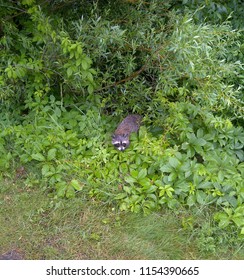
(69, 83)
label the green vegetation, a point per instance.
(69, 72)
(41, 228)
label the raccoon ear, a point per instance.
(113, 136)
(125, 135)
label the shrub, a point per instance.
(67, 85)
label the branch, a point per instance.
(133, 75)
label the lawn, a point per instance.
(40, 226)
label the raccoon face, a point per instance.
(121, 142)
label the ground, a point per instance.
(36, 225)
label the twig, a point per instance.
(133, 75)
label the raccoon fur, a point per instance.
(120, 138)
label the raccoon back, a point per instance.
(130, 124)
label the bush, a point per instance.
(66, 87)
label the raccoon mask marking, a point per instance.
(120, 138)
(121, 142)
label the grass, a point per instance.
(42, 227)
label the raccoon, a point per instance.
(120, 138)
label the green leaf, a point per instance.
(61, 189)
(38, 156)
(130, 180)
(221, 176)
(76, 185)
(191, 200)
(173, 203)
(145, 182)
(123, 167)
(166, 168)
(69, 71)
(158, 183)
(142, 174)
(134, 173)
(120, 196)
(185, 145)
(200, 142)
(45, 169)
(150, 204)
(169, 191)
(27, 2)
(79, 49)
(84, 64)
(224, 223)
(174, 162)
(57, 112)
(172, 176)
(127, 189)
(201, 197)
(200, 133)
(90, 89)
(90, 76)
(223, 219)
(51, 154)
(70, 192)
(123, 206)
(151, 189)
(78, 62)
(228, 211)
(239, 221)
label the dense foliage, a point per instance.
(70, 70)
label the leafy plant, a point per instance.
(69, 81)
